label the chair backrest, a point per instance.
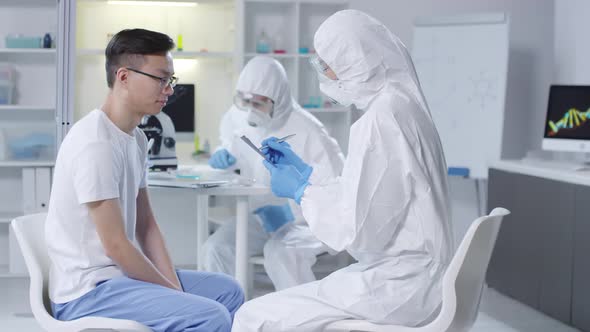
(30, 234)
(29, 231)
(464, 279)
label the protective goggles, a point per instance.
(319, 65)
(245, 101)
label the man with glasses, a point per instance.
(263, 107)
(99, 206)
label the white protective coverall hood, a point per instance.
(290, 254)
(389, 209)
(363, 64)
(266, 77)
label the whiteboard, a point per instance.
(462, 64)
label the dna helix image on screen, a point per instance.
(572, 120)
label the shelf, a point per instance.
(283, 55)
(270, 1)
(49, 51)
(4, 273)
(324, 2)
(162, 4)
(27, 163)
(175, 54)
(306, 2)
(7, 216)
(189, 54)
(274, 55)
(26, 108)
(19, 55)
(329, 110)
(29, 3)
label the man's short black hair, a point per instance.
(128, 46)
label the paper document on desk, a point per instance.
(190, 179)
(169, 179)
(186, 183)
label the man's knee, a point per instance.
(221, 320)
(232, 295)
(215, 318)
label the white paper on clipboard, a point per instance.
(254, 147)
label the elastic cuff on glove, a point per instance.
(300, 191)
(307, 173)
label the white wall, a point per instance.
(571, 48)
(529, 72)
(204, 26)
(531, 54)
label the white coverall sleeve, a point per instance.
(226, 130)
(323, 154)
(373, 192)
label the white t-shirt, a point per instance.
(96, 161)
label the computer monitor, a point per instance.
(567, 127)
(181, 110)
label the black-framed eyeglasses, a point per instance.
(164, 81)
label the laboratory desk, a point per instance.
(241, 192)
(542, 254)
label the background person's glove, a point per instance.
(274, 217)
(222, 159)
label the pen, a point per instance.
(280, 140)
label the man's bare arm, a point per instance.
(151, 240)
(108, 220)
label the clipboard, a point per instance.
(254, 147)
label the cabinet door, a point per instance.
(581, 277)
(552, 205)
(515, 263)
(532, 260)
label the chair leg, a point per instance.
(343, 260)
(250, 281)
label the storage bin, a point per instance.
(6, 93)
(34, 146)
(23, 42)
(7, 72)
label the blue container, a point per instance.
(32, 146)
(23, 42)
(47, 41)
(262, 47)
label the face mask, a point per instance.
(258, 119)
(334, 90)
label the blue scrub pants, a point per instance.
(208, 303)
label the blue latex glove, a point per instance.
(282, 154)
(222, 159)
(274, 216)
(286, 181)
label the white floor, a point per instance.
(498, 313)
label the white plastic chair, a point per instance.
(462, 283)
(29, 231)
